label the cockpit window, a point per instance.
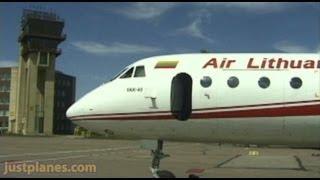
(116, 76)
(127, 74)
(140, 72)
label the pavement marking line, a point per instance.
(228, 160)
(40, 160)
(264, 162)
(258, 168)
(300, 163)
(66, 152)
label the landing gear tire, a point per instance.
(193, 176)
(165, 174)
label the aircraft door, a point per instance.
(181, 96)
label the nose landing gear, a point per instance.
(157, 155)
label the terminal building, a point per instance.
(5, 86)
(64, 97)
(38, 97)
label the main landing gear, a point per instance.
(157, 155)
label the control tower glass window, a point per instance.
(140, 72)
(43, 59)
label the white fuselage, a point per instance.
(140, 107)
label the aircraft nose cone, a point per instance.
(76, 109)
(86, 104)
(71, 112)
(81, 107)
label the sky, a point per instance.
(105, 37)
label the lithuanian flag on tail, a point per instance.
(166, 64)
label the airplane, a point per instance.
(238, 98)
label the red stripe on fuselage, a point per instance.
(306, 110)
(204, 109)
(301, 110)
(259, 105)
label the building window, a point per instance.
(4, 113)
(8, 77)
(4, 88)
(63, 93)
(7, 89)
(140, 72)
(296, 83)
(5, 124)
(206, 81)
(233, 82)
(5, 76)
(4, 100)
(264, 82)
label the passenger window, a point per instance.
(296, 83)
(206, 81)
(128, 74)
(140, 72)
(264, 82)
(233, 82)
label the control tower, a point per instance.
(41, 33)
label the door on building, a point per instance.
(40, 123)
